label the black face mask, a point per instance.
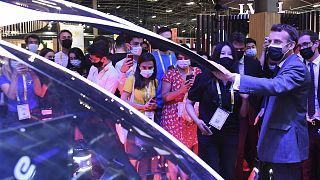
(66, 43)
(239, 54)
(51, 59)
(306, 53)
(98, 64)
(227, 63)
(275, 53)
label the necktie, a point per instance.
(311, 97)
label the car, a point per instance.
(46, 148)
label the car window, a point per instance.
(75, 130)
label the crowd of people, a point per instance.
(261, 114)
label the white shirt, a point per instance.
(124, 76)
(107, 78)
(241, 66)
(61, 58)
(316, 64)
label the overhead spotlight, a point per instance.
(183, 31)
(190, 3)
(118, 7)
(169, 10)
(178, 23)
(194, 19)
(153, 17)
(316, 5)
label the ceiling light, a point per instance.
(118, 7)
(316, 5)
(152, 0)
(190, 3)
(169, 10)
(153, 17)
(183, 31)
(194, 19)
(178, 23)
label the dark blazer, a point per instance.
(284, 135)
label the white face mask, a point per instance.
(33, 47)
(146, 73)
(14, 64)
(183, 64)
(75, 62)
(136, 50)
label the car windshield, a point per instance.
(74, 130)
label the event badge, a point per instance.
(219, 118)
(23, 111)
(150, 114)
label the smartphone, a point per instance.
(130, 56)
(190, 76)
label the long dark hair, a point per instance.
(79, 55)
(139, 79)
(217, 52)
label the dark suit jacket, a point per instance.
(284, 135)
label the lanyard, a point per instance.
(24, 89)
(61, 63)
(220, 96)
(161, 61)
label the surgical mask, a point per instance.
(14, 64)
(183, 64)
(33, 47)
(275, 53)
(226, 62)
(239, 54)
(136, 50)
(251, 52)
(66, 43)
(306, 53)
(75, 62)
(146, 73)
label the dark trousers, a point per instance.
(247, 148)
(279, 171)
(311, 166)
(220, 152)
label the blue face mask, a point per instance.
(251, 52)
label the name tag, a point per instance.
(149, 114)
(219, 118)
(23, 111)
(45, 112)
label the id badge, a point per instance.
(180, 109)
(150, 114)
(23, 111)
(219, 118)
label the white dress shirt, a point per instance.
(61, 58)
(123, 76)
(241, 66)
(107, 78)
(316, 64)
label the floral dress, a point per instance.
(184, 131)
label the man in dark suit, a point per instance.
(283, 142)
(248, 136)
(309, 49)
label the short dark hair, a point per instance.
(33, 36)
(100, 38)
(163, 29)
(313, 36)
(120, 41)
(237, 37)
(45, 51)
(293, 33)
(130, 37)
(99, 49)
(250, 40)
(63, 31)
(144, 57)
